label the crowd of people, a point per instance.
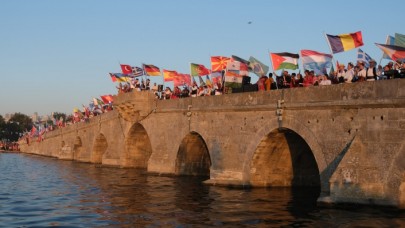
(349, 73)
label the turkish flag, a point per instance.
(126, 69)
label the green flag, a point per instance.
(399, 40)
(258, 67)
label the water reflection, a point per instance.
(40, 191)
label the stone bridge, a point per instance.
(347, 139)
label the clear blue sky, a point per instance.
(56, 55)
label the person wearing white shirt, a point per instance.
(349, 74)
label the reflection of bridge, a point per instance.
(347, 139)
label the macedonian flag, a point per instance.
(218, 63)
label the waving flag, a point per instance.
(118, 77)
(107, 98)
(284, 60)
(199, 70)
(399, 40)
(126, 69)
(169, 75)
(394, 52)
(316, 61)
(137, 71)
(258, 67)
(345, 42)
(182, 79)
(247, 63)
(151, 70)
(237, 68)
(218, 63)
(390, 41)
(113, 78)
(364, 57)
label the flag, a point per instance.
(345, 42)
(113, 78)
(137, 71)
(199, 70)
(202, 83)
(208, 81)
(242, 68)
(284, 60)
(118, 77)
(182, 79)
(168, 75)
(233, 81)
(218, 63)
(394, 52)
(364, 57)
(316, 61)
(390, 41)
(126, 69)
(332, 70)
(151, 70)
(257, 67)
(237, 68)
(97, 101)
(107, 98)
(216, 77)
(236, 58)
(399, 40)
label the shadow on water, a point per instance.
(38, 191)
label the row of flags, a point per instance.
(235, 67)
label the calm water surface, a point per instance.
(40, 191)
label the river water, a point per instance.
(40, 191)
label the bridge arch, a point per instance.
(138, 147)
(99, 148)
(193, 157)
(292, 147)
(283, 159)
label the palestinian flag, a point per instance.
(284, 60)
(151, 70)
(198, 70)
(218, 63)
(394, 52)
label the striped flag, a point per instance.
(316, 61)
(345, 42)
(137, 71)
(284, 60)
(364, 57)
(169, 75)
(151, 70)
(394, 52)
(390, 41)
